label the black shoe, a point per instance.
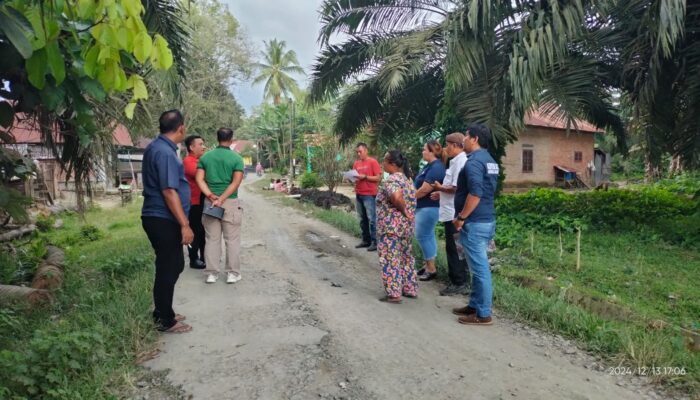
(420, 272)
(363, 244)
(372, 247)
(452, 290)
(428, 276)
(197, 264)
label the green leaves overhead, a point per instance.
(53, 38)
(37, 68)
(142, 47)
(17, 29)
(493, 61)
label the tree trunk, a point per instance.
(10, 294)
(17, 233)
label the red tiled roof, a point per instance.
(143, 142)
(539, 118)
(26, 131)
(121, 136)
(240, 145)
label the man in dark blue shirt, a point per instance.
(164, 216)
(474, 203)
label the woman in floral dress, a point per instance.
(396, 208)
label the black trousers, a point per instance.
(458, 270)
(166, 239)
(197, 248)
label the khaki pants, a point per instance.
(230, 228)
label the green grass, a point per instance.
(85, 344)
(635, 272)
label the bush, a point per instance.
(310, 180)
(49, 362)
(90, 233)
(45, 222)
(650, 209)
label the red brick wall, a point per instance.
(550, 147)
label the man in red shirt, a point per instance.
(195, 149)
(366, 186)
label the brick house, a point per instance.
(545, 153)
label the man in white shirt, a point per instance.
(458, 269)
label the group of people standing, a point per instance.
(460, 196)
(179, 196)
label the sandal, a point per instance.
(179, 327)
(180, 317)
(392, 300)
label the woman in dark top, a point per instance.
(428, 210)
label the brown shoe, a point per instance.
(473, 319)
(464, 311)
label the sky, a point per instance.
(295, 21)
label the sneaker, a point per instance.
(473, 319)
(232, 278)
(372, 247)
(363, 244)
(452, 290)
(211, 278)
(197, 264)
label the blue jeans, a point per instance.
(475, 238)
(426, 220)
(366, 211)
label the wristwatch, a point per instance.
(459, 217)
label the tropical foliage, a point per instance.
(61, 60)
(275, 69)
(421, 65)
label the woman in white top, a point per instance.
(458, 269)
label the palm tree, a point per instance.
(275, 70)
(414, 65)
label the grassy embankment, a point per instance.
(634, 299)
(85, 344)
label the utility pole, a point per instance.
(291, 141)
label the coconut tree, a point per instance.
(414, 65)
(278, 63)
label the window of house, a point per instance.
(578, 156)
(527, 160)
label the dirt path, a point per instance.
(305, 323)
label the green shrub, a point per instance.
(51, 360)
(614, 210)
(45, 222)
(90, 233)
(310, 180)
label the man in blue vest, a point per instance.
(166, 205)
(475, 218)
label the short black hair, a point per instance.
(170, 121)
(189, 140)
(224, 134)
(481, 132)
(361, 145)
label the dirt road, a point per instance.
(305, 323)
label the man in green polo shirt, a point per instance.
(219, 174)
